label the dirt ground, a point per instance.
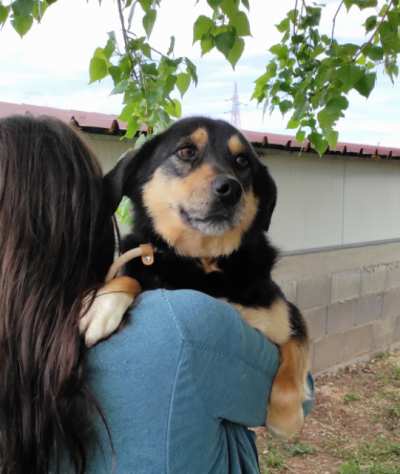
(353, 429)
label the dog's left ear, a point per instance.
(114, 182)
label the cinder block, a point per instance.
(369, 309)
(342, 348)
(383, 334)
(313, 292)
(373, 279)
(345, 286)
(341, 316)
(289, 289)
(316, 322)
(391, 304)
(393, 276)
(396, 332)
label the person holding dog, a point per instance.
(174, 390)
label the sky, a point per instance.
(49, 66)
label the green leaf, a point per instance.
(389, 38)
(174, 108)
(280, 50)
(192, 70)
(97, 69)
(183, 82)
(4, 13)
(241, 23)
(293, 123)
(110, 46)
(300, 136)
(132, 128)
(349, 75)
(332, 112)
(374, 52)
(22, 24)
(318, 142)
(39, 9)
(236, 51)
(332, 138)
(22, 8)
(285, 105)
(283, 26)
(214, 3)
(370, 23)
(201, 27)
(360, 3)
(145, 4)
(229, 7)
(149, 20)
(206, 43)
(224, 42)
(366, 84)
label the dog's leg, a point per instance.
(283, 324)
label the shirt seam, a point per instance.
(171, 401)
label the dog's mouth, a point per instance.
(210, 223)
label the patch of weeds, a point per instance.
(351, 467)
(275, 459)
(382, 356)
(300, 449)
(393, 413)
(351, 397)
(396, 373)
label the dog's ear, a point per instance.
(271, 204)
(114, 182)
(125, 173)
(266, 190)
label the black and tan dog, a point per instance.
(204, 200)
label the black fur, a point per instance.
(245, 275)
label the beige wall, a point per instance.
(107, 148)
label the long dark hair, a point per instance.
(55, 247)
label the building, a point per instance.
(337, 223)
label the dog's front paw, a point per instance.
(104, 316)
(285, 411)
(108, 309)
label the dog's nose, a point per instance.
(228, 190)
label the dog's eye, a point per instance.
(241, 161)
(186, 153)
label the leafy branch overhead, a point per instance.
(308, 74)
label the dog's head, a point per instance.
(199, 184)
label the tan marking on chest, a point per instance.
(273, 322)
(210, 265)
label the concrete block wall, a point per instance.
(350, 299)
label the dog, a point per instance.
(204, 200)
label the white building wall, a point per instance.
(333, 201)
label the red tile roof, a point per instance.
(109, 124)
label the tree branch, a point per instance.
(370, 40)
(334, 19)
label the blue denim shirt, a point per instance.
(178, 385)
